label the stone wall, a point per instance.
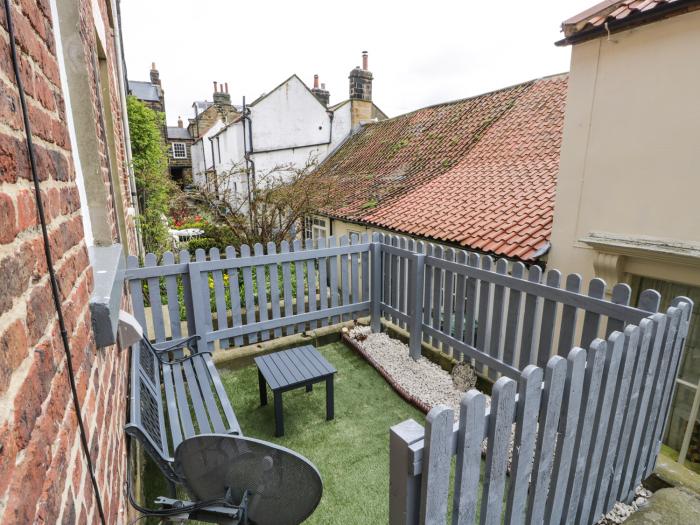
(43, 475)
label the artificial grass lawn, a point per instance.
(351, 452)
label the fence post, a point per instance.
(376, 299)
(415, 306)
(404, 487)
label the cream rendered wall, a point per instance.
(630, 157)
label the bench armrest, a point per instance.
(185, 343)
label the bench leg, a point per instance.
(330, 401)
(262, 385)
(279, 417)
(309, 387)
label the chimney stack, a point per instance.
(320, 92)
(179, 122)
(155, 76)
(361, 81)
(221, 97)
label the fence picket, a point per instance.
(427, 291)
(261, 280)
(460, 297)
(472, 421)
(344, 277)
(155, 300)
(550, 411)
(448, 300)
(437, 296)
(219, 296)
(529, 394)
(136, 290)
(549, 314)
(173, 299)
(621, 293)
(287, 286)
(235, 293)
(527, 351)
(591, 320)
(333, 269)
(591, 390)
(513, 316)
(323, 280)
(496, 323)
(484, 309)
(301, 288)
(601, 425)
(569, 426)
(274, 287)
(355, 271)
(499, 427)
(472, 301)
(435, 481)
(248, 290)
(567, 331)
(184, 258)
(311, 283)
(401, 293)
(649, 300)
(364, 274)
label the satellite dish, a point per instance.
(274, 485)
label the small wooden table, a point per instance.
(290, 369)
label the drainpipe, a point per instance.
(121, 74)
(213, 167)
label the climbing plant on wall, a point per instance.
(153, 183)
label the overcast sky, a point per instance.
(420, 53)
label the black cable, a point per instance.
(49, 261)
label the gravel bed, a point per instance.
(429, 383)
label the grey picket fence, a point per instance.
(586, 425)
(585, 381)
(243, 297)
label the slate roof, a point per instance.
(144, 90)
(479, 172)
(619, 15)
(176, 132)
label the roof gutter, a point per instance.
(616, 26)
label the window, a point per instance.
(179, 150)
(315, 228)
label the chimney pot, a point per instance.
(179, 122)
(226, 90)
(153, 65)
(323, 86)
(316, 81)
(215, 85)
(364, 60)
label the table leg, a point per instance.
(262, 385)
(330, 401)
(309, 387)
(279, 417)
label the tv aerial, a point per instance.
(237, 480)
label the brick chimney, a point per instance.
(221, 95)
(155, 76)
(361, 107)
(361, 81)
(320, 92)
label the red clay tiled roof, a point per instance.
(478, 172)
(622, 12)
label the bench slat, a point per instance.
(183, 407)
(196, 397)
(233, 425)
(205, 387)
(175, 431)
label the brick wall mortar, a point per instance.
(42, 469)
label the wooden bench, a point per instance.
(168, 386)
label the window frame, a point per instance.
(184, 148)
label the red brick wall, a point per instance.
(42, 469)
